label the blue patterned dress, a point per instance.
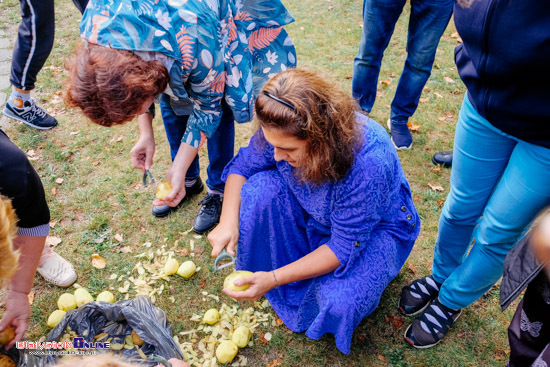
(211, 48)
(367, 219)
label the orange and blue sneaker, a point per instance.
(30, 114)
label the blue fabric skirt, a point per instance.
(275, 231)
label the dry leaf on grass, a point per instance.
(98, 262)
(95, 163)
(396, 320)
(52, 241)
(413, 126)
(59, 180)
(53, 191)
(119, 237)
(440, 203)
(436, 168)
(126, 249)
(385, 82)
(449, 80)
(382, 358)
(425, 99)
(436, 187)
(275, 363)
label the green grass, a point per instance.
(99, 197)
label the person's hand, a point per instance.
(142, 153)
(177, 363)
(18, 312)
(541, 240)
(224, 235)
(259, 283)
(177, 180)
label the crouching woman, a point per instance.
(319, 206)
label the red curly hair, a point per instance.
(110, 86)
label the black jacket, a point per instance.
(504, 62)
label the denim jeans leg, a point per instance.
(520, 195)
(481, 154)
(174, 127)
(379, 18)
(427, 22)
(220, 149)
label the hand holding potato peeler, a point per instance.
(222, 256)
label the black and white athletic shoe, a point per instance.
(31, 114)
(416, 296)
(429, 328)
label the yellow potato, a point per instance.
(211, 316)
(163, 189)
(55, 318)
(7, 335)
(228, 282)
(171, 266)
(66, 302)
(226, 351)
(136, 339)
(241, 336)
(82, 296)
(187, 269)
(105, 296)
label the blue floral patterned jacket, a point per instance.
(212, 49)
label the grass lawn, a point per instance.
(100, 207)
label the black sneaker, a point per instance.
(401, 136)
(430, 327)
(31, 114)
(416, 296)
(163, 210)
(209, 213)
(444, 159)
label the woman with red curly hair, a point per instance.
(207, 59)
(319, 206)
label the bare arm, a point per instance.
(319, 262)
(17, 302)
(143, 152)
(226, 234)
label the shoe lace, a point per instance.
(210, 204)
(39, 111)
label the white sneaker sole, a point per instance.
(9, 114)
(396, 147)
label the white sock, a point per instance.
(18, 99)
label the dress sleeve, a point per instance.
(204, 75)
(362, 199)
(256, 157)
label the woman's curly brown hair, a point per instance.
(324, 116)
(110, 86)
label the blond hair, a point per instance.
(9, 259)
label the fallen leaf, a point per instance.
(263, 340)
(449, 80)
(382, 358)
(120, 137)
(31, 153)
(385, 82)
(278, 321)
(436, 187)
(425, 99)
(59, 180)
(98, 262)
(275, 363)
(412, 126)
(203, 283)
(440, 203)
(52, 241)
(119, 237)
(442, 118)
(411, 268)
(436, 168)
(397, 321)
(53, 191)
(126, 249)
(438, 95)
(53, 224)
(74, 132)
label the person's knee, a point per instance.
(262, 187)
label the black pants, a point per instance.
(34, 40)
(529, 332)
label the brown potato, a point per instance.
(7, 335)
(136, 339)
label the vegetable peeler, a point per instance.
(222, 256)
(147, 173)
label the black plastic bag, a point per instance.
(118, 320)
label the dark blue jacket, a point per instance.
(505, 64)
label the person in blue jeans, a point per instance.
(500, 178)
(427, 22)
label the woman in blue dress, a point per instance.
(319, 206)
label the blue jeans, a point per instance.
(500, 179)
(220, 146)
(427, 22)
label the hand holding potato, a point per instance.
(259, 284)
